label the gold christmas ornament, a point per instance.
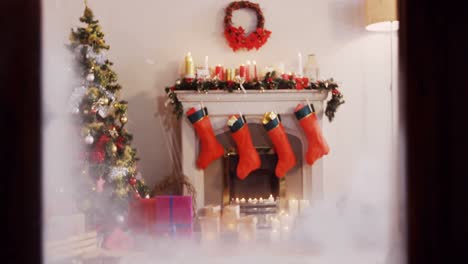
(123, 119)
(114, 148)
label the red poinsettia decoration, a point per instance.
(237, 37)
(301, 83)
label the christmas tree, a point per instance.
(108, 165)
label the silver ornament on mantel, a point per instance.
(89, 139)
(90, 77)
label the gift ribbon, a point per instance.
(172, 226)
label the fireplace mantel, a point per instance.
(253, 105)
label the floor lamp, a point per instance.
(381, 16)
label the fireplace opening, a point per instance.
(260, 183)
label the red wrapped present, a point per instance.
(119, 240)
(174, 216)
(142, 215)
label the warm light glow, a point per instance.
(381, 15)
(385, 26)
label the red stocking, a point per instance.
(317, 146)
(275, 130)
(249, 160)
(210, 148)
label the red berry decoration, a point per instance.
(335, 92)
(132, 181)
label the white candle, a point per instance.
(255, 201)
(206, 62)
(209, 227)
(242, 200)
(255, 69)
(237, 200)
(260, 200)
(285, 225)
(249, 200)
(293, 205)
(271, 199)
(275, 233)
(299, 69)
(303, 205)
(247, 228)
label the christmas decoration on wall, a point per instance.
(236, 36)
(109, 163)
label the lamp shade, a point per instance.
(381, 15)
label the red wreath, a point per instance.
(236, 36)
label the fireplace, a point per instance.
(260, 183)
(301, 182)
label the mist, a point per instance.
(356, 226)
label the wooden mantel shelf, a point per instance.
(253, 96)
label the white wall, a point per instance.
(149, 39)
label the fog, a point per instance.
(357, 226)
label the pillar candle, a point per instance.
(275, 229)
(227, 75)
(293, 206)
(247, 71)
(231, 214)
(247, 228)
(233, 74)
(303, 205)
(242, 71)
(209, 227)
(219, 72)
(255, 70)
(299, 66)
(189, 66)
(286, 224)
(206, 62)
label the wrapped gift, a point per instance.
(119, 240)
(142, 215)
(173, 216)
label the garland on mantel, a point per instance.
(270, 82)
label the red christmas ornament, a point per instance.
(132, 181)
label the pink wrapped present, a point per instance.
(174, 216)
